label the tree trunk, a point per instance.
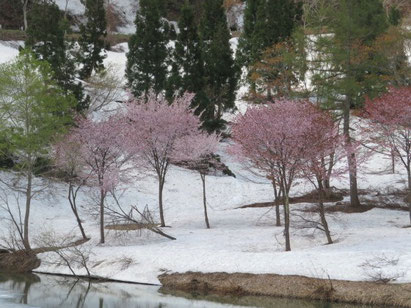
(287, 221)
(392, 162)
(73, 205)
(327, 184)
(26, 241)
(352, 161)
(277, 204)
(102, 197)
(321, 211)
(203, 179)
(25, 2)
(160, 201)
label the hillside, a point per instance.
(240, 240)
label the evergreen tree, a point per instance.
(245, 43)
(92, 38)
(348, 65)
(187, 73)
(394, 16)
(45, 36)
(266, 22)
(187, 53)
(220, 71)
(146, 61)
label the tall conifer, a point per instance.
(45, 36)
(92, 38)
(146, 61)
(220, 70)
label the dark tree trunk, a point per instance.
(277, 204)
(330, 166)
(392, 162)
(321, 211)
(102, 197)
(26, 241)
(352, 160)
(286, 216)
(203, 179)
(160, 201)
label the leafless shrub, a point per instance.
(104, 88)
(126, 262)
(74, 257)
(114, 16)
(382, 269)
(13, 240)
(133, 218)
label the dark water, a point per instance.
(23, 291)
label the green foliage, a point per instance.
(146, 61)
(34, 110)
(187, 64)
(6, 156)
(92, 38)
(45, 36)
(355, 65)
(266, 23)
(220, 71)
(245, 43)
(394, 16)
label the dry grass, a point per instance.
(12, 35)
(123, 227)
(366, 293)
(311, 197)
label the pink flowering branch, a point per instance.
(159, 133)
(286, 140)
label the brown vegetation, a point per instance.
(21, 261)
(238, 284)
(311, 197)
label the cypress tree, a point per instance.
(245, 44)
(220, 71)
(146, 61)
(348, 65)
(45, 36)
(187, 67)
(92, 38)
(266, 22)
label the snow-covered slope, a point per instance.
(240, 240)
(8, 51)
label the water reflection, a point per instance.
(55, 291)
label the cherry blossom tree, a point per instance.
(160, 133)
(285, 141)
(201, 161)
(390, 116)
(325, 146)
(100, 152)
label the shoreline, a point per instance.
(291, 287)
(272, 286)
(96, 278)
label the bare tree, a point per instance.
(104, 88)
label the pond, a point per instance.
(46, 291)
